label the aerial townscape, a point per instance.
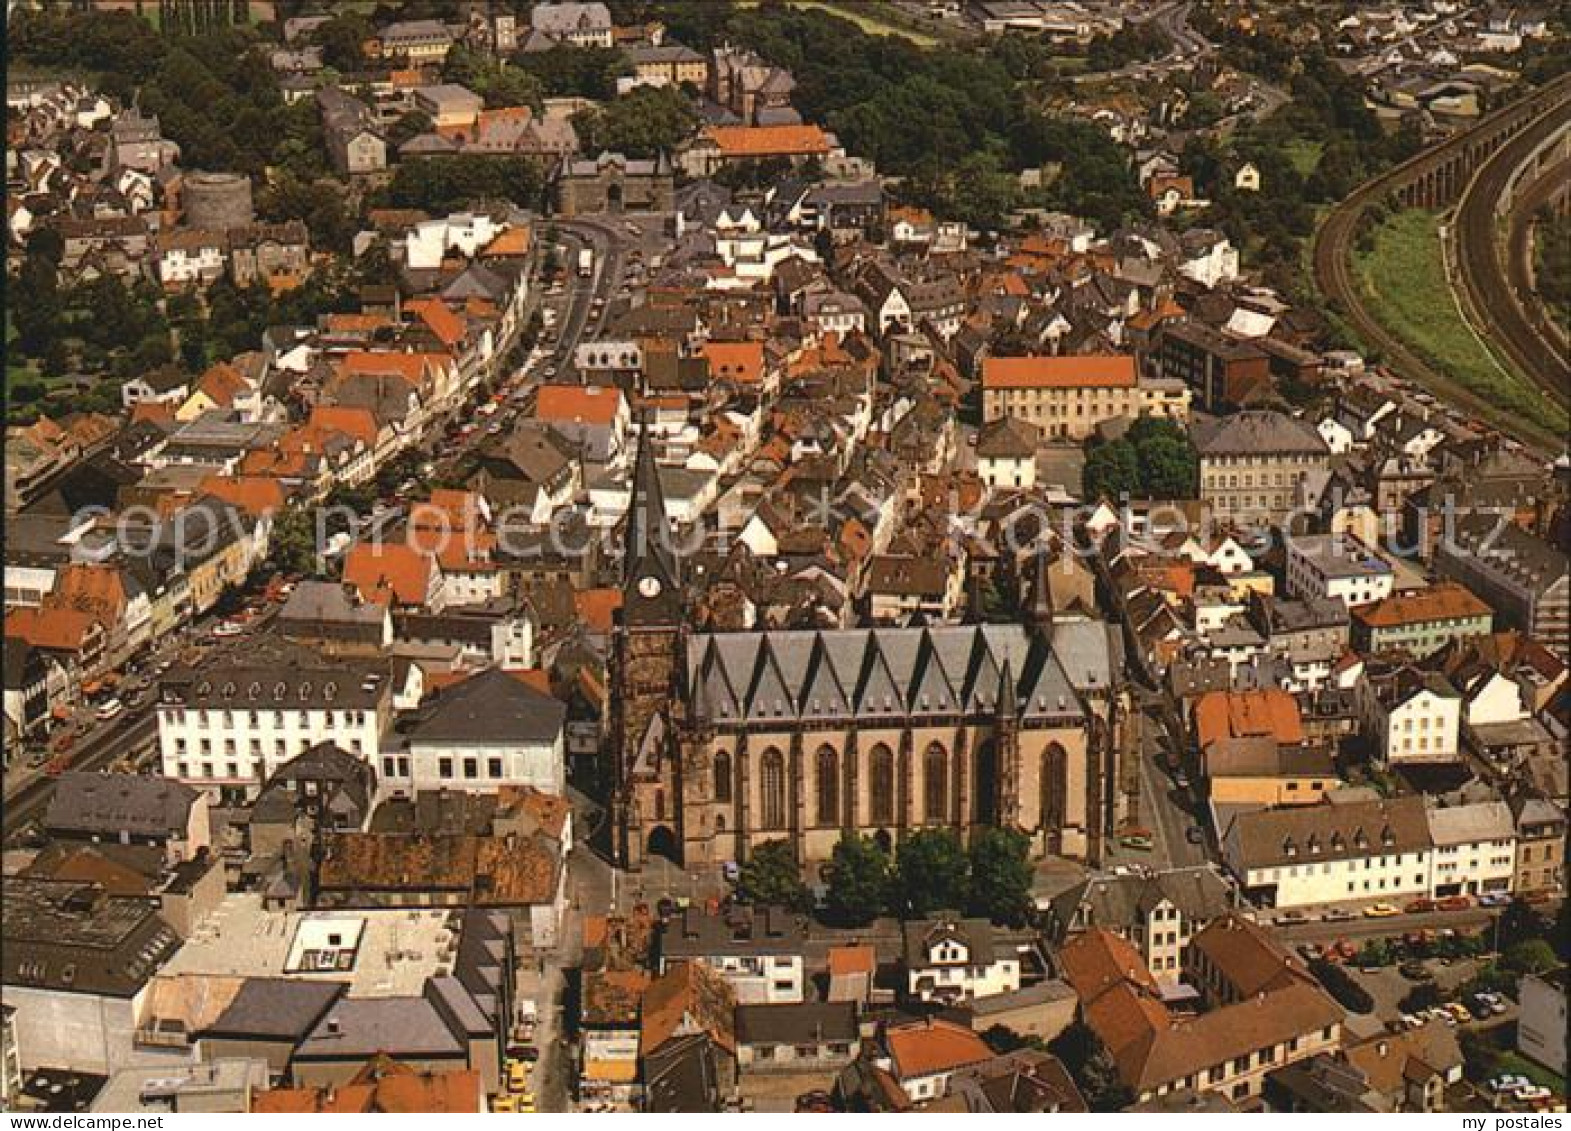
(787, 556)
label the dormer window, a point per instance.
(1289, 847)
(1314, 844)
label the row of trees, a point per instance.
(929, 872)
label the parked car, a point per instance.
(1419, 906)
(1532, 1093)
(1292, 917)
(1381, 911)
(1455, 903)
(1139, 842)
(1410, 1022)
(225, 628)
(1337, 915)
(111, 709)
(1415, 972)
(517, 1076)
(1494, 899)
(817, 1101)
(1508, 1083)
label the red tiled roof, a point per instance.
(256, 495)
(388, 573)
(586, 404)
(439, 319)
(1446, 601)
(597, 607)
(1240, 714)
(1091, 371)
(222, 383)
(769, 141)
(934, 1046)
(356, 422)
(57, 629)
(742, 362)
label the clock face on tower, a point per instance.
(649, 586)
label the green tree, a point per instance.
(35, 305)
(1520, 922)
(584, 72)
(1340, 985)
(858, 878)
(771, 876)
(410, 125)
(341, 40)
(1112, 471)
(1167, 464)
(1001, 875)
(931, 873)
(1530, 956)
(440, 185)
(1002, 1040)
(1090, 1064)
(642, 123)
(1424, 996)
(292, 548)
(500, 84)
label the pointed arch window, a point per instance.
(935, 785)
(772, 783)
(723, 777)
(828, 771)
(1055, 786)
(881, 785)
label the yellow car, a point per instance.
(517, 1076)
(504, 1105)
(526, 1103)
(1381, 911)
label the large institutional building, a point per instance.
(725, 741)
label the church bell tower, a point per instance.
(646, 659)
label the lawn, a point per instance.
(861, 16)
(1515, 1064)
(1403, 275)
(1304, 154)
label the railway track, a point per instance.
(1337, 282)
(1552, 184)
(1495, 291)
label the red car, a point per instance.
(1455, 903)
(1419, 906)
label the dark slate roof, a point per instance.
(1256, 433)
(492, 707)
(744, 930)
(72, 937)
(876, 673)
(976, 935)
(402, 1027)
(807, 1022)
(1119, 903)
(116, 803)
(284, 1009)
